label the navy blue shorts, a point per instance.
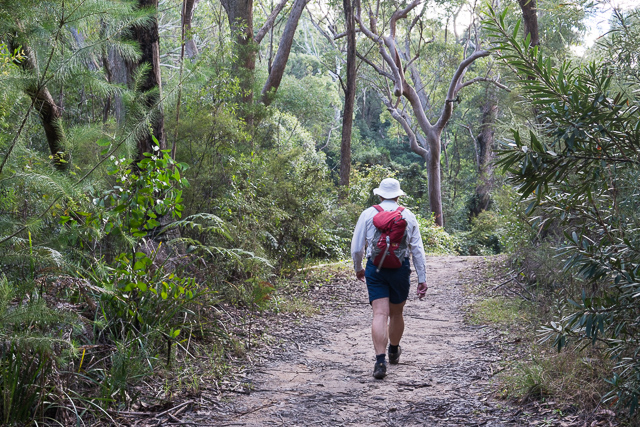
(392, 283)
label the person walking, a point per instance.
(388, 288)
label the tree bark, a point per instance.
(119, 74)
(240, 15)
(49, 112)
(435, 176)
(349, 98)
(282, 55)
(271, 19)
(530, 19)
(191, 50)
(148, 39)
(109, 76)
(484, 144)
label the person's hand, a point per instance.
(422, 289)
(360, 275)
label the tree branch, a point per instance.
(483, 79)
(341, 35)
(374, 66)
(475, 145)
(404, 121)
(401, 14)
(269, 22)
(398, 78)
(331, 39)
(401, 87)
(280, 61)
(454, 87)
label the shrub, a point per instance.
(581, 171)
(435, 239)
(483, 238)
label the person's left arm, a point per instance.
(417, 251)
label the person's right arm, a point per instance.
(357, 245)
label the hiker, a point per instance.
(388, 282)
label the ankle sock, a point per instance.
(380, 358)
(393, 348)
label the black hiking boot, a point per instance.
(394, 358)
(379, 371)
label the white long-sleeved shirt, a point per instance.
(365, 230)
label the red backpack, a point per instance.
(389, 240)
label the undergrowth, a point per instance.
(534, 371)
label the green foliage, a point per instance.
(24, 376)
(570, 376)
(130, 362)
(292, 181)
(515, 231)
(30, 347)
(142, 296)
(619, 49)
(278, 200)
(500, 311)
(580, 170)
(364, 180)
(561, 24)
(143, 197)
(435, 239)
(483, 238)
(313, 100)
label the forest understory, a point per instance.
(178, 176)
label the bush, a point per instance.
(580, 170)
(514, 229)
(282, 209)
(483, 238)
(435, 239)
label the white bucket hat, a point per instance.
(389, 189)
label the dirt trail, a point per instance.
(320, 372)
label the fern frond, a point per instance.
(217, 224)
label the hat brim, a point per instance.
(388, 194)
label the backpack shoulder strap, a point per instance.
(400, 209)
(378, 208)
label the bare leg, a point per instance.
(379, 331)
(396, 323)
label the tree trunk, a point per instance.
(240, 15)
(43, 102)
(434, 176)
(427, 147)
(109, 76)
(282, 55)
(530, 19)
(484, 142)
(119, 74)
(191, 50)
(148, 40)
(349, 98)
(51, 117)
